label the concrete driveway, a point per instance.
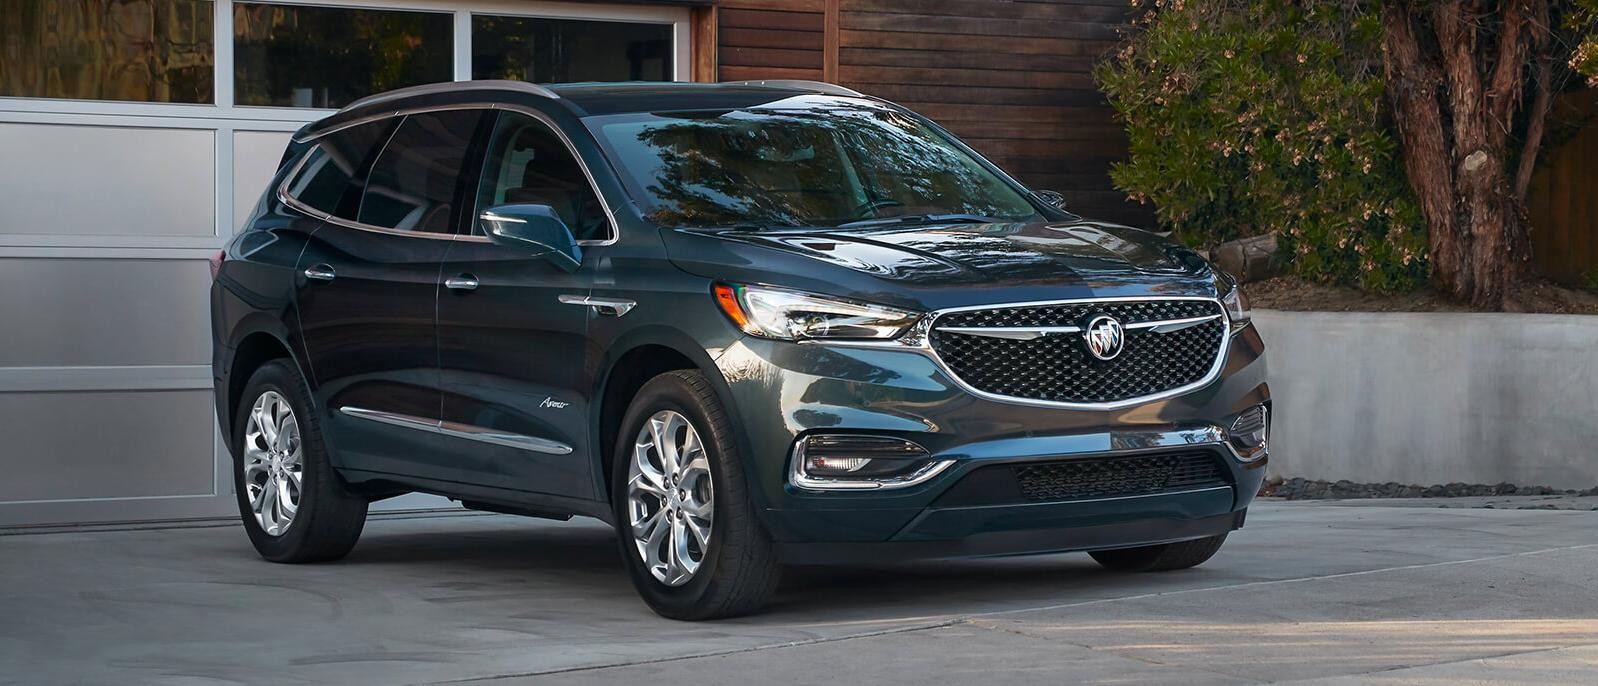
(1306, 592)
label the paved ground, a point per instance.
(1328, 594)
(1498, 502)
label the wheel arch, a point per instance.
(630, 364)
(253, 346)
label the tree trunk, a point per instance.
(1413, 84)
(1455, 105)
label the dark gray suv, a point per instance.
(749, 324)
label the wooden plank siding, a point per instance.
(772, 39)
(1561, 202)
(1011, 77)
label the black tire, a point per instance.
(1160, 558)
(330, 517)
(739, 571)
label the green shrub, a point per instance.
(1248, 117)
(1582, 20)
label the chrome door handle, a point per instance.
(464, 282)
(614, 307)
(320, 272)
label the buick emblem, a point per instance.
(1104, 337)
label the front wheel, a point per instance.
(687, 528)
(1160, 558)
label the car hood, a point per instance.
(947, 265)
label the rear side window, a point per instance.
(326, 182)
(414, 184)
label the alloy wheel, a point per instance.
(670, 500)
(274, 463)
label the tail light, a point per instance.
(216, 263)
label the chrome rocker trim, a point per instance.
(458, 430)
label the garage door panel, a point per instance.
(106, 444)
(255, 158)
(104, 312)
(69, 180)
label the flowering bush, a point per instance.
(1583, 20)
(1248, 117)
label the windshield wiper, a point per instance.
(920, 219)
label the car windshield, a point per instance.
(802, 161)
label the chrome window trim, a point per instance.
(459, 430)
(284, 197)
(918, 340)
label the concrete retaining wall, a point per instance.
(1430, 398)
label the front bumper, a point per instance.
(782, 391)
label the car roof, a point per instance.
(665, 96)
(582, 99)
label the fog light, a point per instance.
(847, 462)
(1249, 434)
(821, 465)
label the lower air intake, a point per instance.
(1118, 476)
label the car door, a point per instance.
(369, 294)
(515, 363)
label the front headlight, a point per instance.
(1236, 306)
(792, 315)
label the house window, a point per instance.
(566, 50)
(318, 56)
(141, 50)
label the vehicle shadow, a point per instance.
(582, 559)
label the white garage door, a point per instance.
(135, 135)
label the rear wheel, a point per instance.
(294, 506)
(1160, 558)
(687, 529)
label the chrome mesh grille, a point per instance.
(1057, 367)
(1120, 476)
(1070, 314)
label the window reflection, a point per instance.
(802, 161)
(301, 56)
(146, 50)
(327, 179)
(566, 50)
(413, 183)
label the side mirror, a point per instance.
(533, 227)
(1051, 198)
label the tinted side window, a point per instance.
(327, 181)
(528, 163)
(413, 184)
